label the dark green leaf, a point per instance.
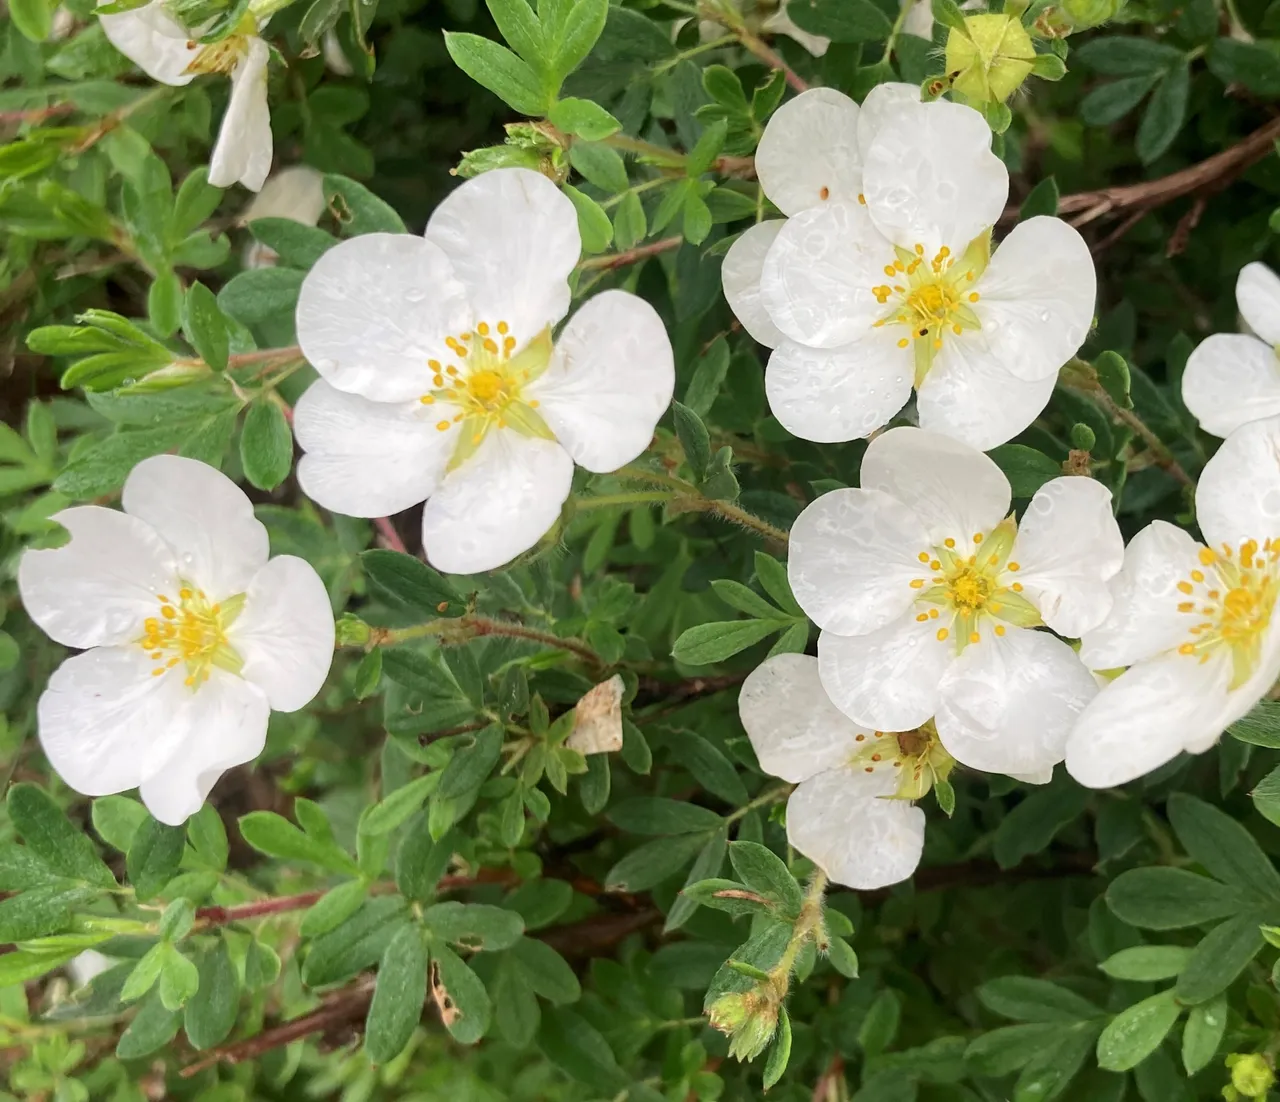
(1026, 469)
(211, 1012)
(411, 583)
(708, 643)
(1025, 999)
(474, 925)
(261, 294)
(266, 445)
(1169, 899)
(1220, 957)
(398, 997)
(153, 857)
(1223, 846)
(1133, 1034)
(52, 838)
(464, 1003)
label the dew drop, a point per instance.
(414, 294)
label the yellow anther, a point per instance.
(977, 537)
(923, 556)
(933, 614)
(1187, 606)
(438, 380)
(1016, 587)
(1187, 648)
(1184, 587)
(917, 583)
(168, 612)
(949, 542)
(1015, 567)
(999, 629)
(862, 199)
(934, 564)
(942, 635)
(503, 327)
(435, 366)
(903, 343)
(922, 617)
(974, 296)
(442, 425)
(156, 673)
(974, 637)
(1197, 576)
(483, 329)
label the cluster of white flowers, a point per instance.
(882, 278)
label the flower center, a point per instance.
(932, 297)
(1235, 594)
(485, 387)
(918, 755)
(192, 631)
(966, 590)
(223, 56)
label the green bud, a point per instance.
(1083, 438)
(1083, 14)
(749, 1018)
(990, 58)
(476, 161)
(352, 631)
(1251, 1075)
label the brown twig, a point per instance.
(482, 625)
(825, 1089)
(389, 535)
(1159, 450)
(610, 261)
(36, 114)
(770, 57)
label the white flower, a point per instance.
(440, 381)
(296, 193)
(1194, 623)
(159, 45)
(925, 588)
(190, 637)
(777, 22)
(882, 278)
(845, 815)
(1234, 378)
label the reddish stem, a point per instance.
(389, 535)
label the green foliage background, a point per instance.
(1055, 944)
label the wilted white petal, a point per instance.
(98, 588)
(296, 192)
(1068, 547)
(842, 821)
(204, 516)
(888, 679)
(808, 153)
(512, 238)
(242, 153)
(608, 382)
(1230, 380)
(851, 559)
(1009, 702)
(794, 729)
(375, 310)
(154, 41)
(836, 394)
(1258, 296)
(1238, 496)
(955, 490)
(741, 273)
(497, 504)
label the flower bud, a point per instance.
(1083, 14)
(1251, 1075)
(749, 1018)
(351, 631)
(990, 58)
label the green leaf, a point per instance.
(1041, 200)
(840, 20)
(1033, 824)
(410, 583)
(421, 861)
(657, 815)
(1169, 899)
(714, 642)
(33, 18)
(706, 864)
(765, 873)
(472, 762)
(708, 377)
(1124, 56)
(629, 224)
(654, 862)
(358, 209)
(521, 28)
(208, 837)
(384, 816)
(780, 1053)
(38, 911)
(540, 902)
(1050, 1070)
(571, 36)
(116, 819)
(469, 1008)
(52, 838)
(1003, 1051)
(1166, 112)
(1145, 963)
(843, 959)
(1133, 1034)
(1026, 469)
(515, 1006)
(1261, 727)
(211, 1012)
(738, 596)
(1025, 999)
(297, 245)
(593, 224)
(585, 119)
(1110, 102)
(153, 857)
(1115, 377)
(21, 965)
(578, 1049)
(261, 966)
(398, 997)
(694, 438)
(356, 944)
(205, 327)
(1248, 63)
(153, 1027)
(547, 971)
(1220, 957)
(709, 766)
(333, 908)
(498, 69)
(1223, 846)
(474, 925)
(275, 836)
(145, 973)
(880, 1026)
(266, 445)
(261, 294)
(603, 167)
(1203, 1033)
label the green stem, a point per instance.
(692, 499)
(772, 796)
(1163, 456)
(807, 924)
(472, 626)
(896, 29)
(694, 51)
(606, 501)
(640, 148)
(638, 189)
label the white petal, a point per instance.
(98, 588)
(741, 273)
(955, 490)
(930, 177)
(1238, 497)
(1009, 702)
(204, 516)
(228, 727)
(780, 23)
(512, 237)
(819, 273)
(497, 504)
(106, 722)
(837, 394)
(243, 150)
(1037, 299)
(375, 309)
(886, 680)
(368, 459)
(919, 21)
(1144, 618)
(1258, 296)
(1146, 717)
(841, 821)
(851, 560)
(296, 192)
(880, 108)
(1068, 547)
(794, 729)
(285, 633)
(609, 381)
(808, 153)
(1230, 380)
(154, 41)
(969, 395)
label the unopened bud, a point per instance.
(1080, 15)
(351, 631)
(1251, 1075)
(990, 58)
(749, 1018)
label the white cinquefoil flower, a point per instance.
(1193, 622)
(925, 588)
(161, 47)
(852, 813)
(1234, 378)
(191, 636)
(883, 277)
(440, 381)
